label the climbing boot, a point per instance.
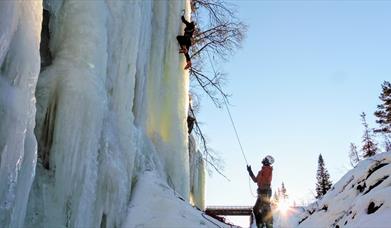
(188, 65)
(183, 50)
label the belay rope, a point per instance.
(233, 126)
(240, 144)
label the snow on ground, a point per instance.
(360, 199)
(286, 218)
(155, 204)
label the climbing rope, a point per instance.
(229, 112)
(240, 144)
(233, 125)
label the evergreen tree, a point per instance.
(283, 194)
(353, 155)
(383, 112)
(276, 197)
(369, 147)
(323, 179)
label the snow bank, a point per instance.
(155, 204)
(360, 199)
(286, 218)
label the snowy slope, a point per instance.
(362, 198)
(155, 204)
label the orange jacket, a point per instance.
(264, 177)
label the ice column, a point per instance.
(20, 27)
(197, 175)
(71, 107)
(165, 98)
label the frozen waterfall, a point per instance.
(19, 68)
(108, 103)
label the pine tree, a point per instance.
(276, 197)
(369, 147)
(383, 112)
(323, 179)
(283, 194)
(353, 155)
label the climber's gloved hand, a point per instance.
(250, 172)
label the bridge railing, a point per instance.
(229, 210)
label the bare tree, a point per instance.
(353, 155)
(219, 33)
(209, 155)
(387, 143)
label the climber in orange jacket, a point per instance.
(262, 209)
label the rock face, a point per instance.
(108, 103)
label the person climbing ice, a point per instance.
(262, 209)
(185, 40)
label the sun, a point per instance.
(283, 206)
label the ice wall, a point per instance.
(19, 68)
(111, 104)
(106, 55)
(197, 175)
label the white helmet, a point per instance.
(268, 160)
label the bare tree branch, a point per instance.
(213, 41)
(209, 157)
(216, 39)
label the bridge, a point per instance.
(229, 210)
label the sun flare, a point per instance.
(283, 206)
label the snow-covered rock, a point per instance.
(360, 199)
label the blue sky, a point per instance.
(306, 71)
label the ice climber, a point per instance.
(262, 209)
(190, 123)
(185, 40)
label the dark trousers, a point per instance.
(185, 41)
(262, 210)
